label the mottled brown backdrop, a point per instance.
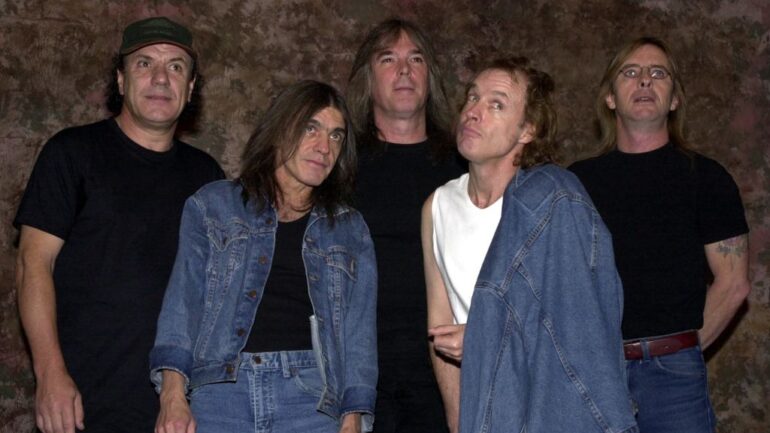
(54, 62)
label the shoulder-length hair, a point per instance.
(606, 117)
(360, 82)
(276, 139)
(539, 109)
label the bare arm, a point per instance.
(175, 415)
(729, 262)
(440, 314)
(58, 405)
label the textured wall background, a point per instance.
(54, 62)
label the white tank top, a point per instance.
(461, 236)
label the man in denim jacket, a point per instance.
(542, 347)
(280, 236)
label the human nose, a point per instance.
(323, 145)
(159, 75)
(403, 67)
(471, 111)
(645, 76)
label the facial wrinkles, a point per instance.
(156, 82)
(492, 115)
(400, 77)
(644, 90)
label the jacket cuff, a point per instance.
(170, 358)
(360, 399)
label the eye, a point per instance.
(630, 72)
(386, 59)
(337, 136)
(143, 63)
(310, 129)
(658, 73)
(497, 106)
(417, 59)
(472, 97)
(176, 67)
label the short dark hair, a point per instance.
(539, 111)
(606, 117)
(359, 91)
(279, 132)
(191, 110)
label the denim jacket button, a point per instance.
(241, 332)
(262, 260)
(257, 359)
(229, 369)
(269, 221)
(252, 294)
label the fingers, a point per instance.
(60, 417)
(79, 416)
(448, 340)
(443, 329)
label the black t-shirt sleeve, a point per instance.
(50, 202)
(720, 211)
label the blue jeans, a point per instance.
(275, 392)
(671, 392)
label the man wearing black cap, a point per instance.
(99, 222)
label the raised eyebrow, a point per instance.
(179, 59)
(500, 94)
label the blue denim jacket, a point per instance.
(225, 254)
(543, 348)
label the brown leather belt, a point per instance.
(658, 346)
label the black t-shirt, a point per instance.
(390, 191)
(283, 317)
(117, 206)
(662, 207)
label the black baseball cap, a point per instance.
(156, 30)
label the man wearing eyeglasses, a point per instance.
(671, 212)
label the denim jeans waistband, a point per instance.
(284, 360)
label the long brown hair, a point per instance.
(277, 137)
(606, 117)
(361, 80)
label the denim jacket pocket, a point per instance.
(227, 249)
(342, 262)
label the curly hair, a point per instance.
(539, 108)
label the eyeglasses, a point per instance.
(636, 71)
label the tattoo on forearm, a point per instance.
(734, 246)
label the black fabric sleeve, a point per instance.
(720, 210)
(50, 202)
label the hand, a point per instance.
(351, 423)
(58, 405)
(448, 340)
(175, 415)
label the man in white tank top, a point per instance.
(508, 121)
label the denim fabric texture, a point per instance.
(224, 257)
(543, 347)
(275, 392)
(671, 392)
